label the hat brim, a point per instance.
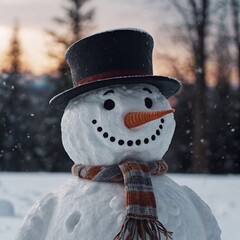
(166, 85)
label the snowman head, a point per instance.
(117, 109)
(111, 124)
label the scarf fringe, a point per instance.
(142, 229)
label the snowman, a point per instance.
(116, 127)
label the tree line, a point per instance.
(207, 137)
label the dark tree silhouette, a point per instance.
(14, 105)
(195, 15)
(75, 23)
(220, 103)
(235, 6)
(223, 55)
(13, 61)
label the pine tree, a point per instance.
(75, 23)
(14, 105)
(13, 61)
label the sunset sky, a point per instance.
(35, 16)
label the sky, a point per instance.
(35, 16)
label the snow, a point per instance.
(95, 134)
(6, 208)
(21, 190)
(78, 205)
(85, 115)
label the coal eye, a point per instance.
(148, 102)
(109, 104)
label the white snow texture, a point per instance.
(6, 208)
(82, 209)
(84, 144)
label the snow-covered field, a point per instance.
(19, 191)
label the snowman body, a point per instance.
(87, 210)
(94, 133)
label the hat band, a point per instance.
(111, 74)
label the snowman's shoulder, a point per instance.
(184, 212)
(210, 224)
(83, 204)
(36, 223)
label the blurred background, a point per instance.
(196, 41)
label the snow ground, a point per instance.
(19, 191)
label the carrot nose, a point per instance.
(135, 119)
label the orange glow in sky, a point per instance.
(156, 17)
(33, 45)
(36, 16)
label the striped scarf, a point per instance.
(141, 221)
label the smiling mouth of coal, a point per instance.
(130, 142)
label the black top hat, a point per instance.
(122, 56)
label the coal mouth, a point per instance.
(129, 142)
